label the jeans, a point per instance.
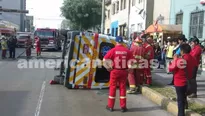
(181, 99)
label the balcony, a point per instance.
(107, 2)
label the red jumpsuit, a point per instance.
(38, 46)
(149, 55)
(136, 77)
(118, 74)
(28, 47)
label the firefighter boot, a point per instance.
(132, 90)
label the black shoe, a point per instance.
(124, 110)
(109, 109)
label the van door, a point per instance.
(82, 57)
(102, 76)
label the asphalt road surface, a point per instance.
(26, 92)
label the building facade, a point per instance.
(119, 17)
(16, 18)
(107, 17)
(162, 11)
(190, 14)
(29, 27)
(141, 15)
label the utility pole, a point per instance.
(103, 17)
(128, 22)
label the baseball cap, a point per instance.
(119, 39)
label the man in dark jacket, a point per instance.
(12, 46)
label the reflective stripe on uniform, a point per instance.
(147, 46)
(132, 86)
(122, 97)
(139, 57)
(149, 76)
(111, 97)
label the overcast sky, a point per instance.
(46, 12)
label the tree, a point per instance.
(82, 14)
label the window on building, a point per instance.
(108, 31)
(196, 24)
(125, 3)
(179, 19)
(108, 14)
(132, 27)
(113, 31)
(121, 4)
(113, 9)
(133, 2)
(116, 32)
(117, 6)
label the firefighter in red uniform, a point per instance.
(135, 78)
(116, 61)
(38, 46)
(28, 45)
(196, 53)
(149, 55)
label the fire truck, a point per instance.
(49, 38)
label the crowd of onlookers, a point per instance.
(8, 44)
(184, 79)
(165, 53)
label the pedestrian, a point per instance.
(3, 47)
(118, 73)
(38, 46)
(157, 53)
(28, 45)
(136, 77)
(12, 47)
(176, 45)
(182, 69)
(169, 54)
(196, 53)
(149, 55)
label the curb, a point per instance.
(164, 102)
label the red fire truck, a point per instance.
(49, 38)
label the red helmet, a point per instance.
(138, 40)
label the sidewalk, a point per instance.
(161, 77)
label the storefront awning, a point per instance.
(164, 28)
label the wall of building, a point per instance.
(120, 17)
(137, 21)
(108, 19)
(29, 24)
(162, 7)
(186, 6)
(15, 18)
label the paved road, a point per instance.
(26, 92)
(18, 52)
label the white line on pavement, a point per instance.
(40, 100)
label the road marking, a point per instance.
(40, 99)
